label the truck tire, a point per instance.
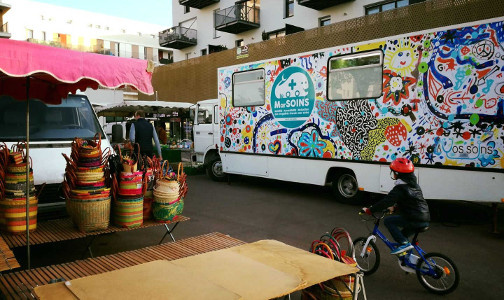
(346, 189)
(214, 169)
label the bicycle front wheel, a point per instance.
(438, 273)
(369, 259)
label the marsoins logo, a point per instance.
(292, 97)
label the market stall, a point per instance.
(32, 71)
(174, 115)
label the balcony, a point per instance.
(4, 31)
(178, 37)
(237, 18)
(321, 4)
(197, 3)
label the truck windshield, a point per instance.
(74, 117)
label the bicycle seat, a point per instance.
(421, 229)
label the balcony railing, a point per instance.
(237, 18)
(5, 27)
(197, 3)
(321, 4)
(178, 37)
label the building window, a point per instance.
(123, 30)
(275, 34)
(145, 54)
(187, 9)
(239, 43)
(248, 88)
(29, 33)
(355, 76)
(187, 55)
(388, 5)
(289, 8)
(324, 21)
(203, 52)
(44, 36)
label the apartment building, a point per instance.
(83, 31)
(202, 27)
(4, 28)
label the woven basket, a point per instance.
(167, 212)
(128, 213)
(13, 215)
(89, 215)
(166, 191)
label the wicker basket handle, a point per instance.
(161, 173)
(105, 155)
(69, 161)
(180, 170)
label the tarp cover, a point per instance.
(262, 270)
(55, 72)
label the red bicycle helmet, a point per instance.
(402, 165)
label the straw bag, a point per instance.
(166, 189)
(13, 215)
(128, 213)
(89, 214)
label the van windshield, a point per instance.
(74, 117)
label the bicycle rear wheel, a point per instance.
(370, 260)
(444, 276)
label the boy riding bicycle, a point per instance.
(407, 197)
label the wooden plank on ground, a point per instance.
(7, 259)
(21, 284)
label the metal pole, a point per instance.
(28, 170)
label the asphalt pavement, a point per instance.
(253, 209)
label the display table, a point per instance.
(261, 270)
(174, 155)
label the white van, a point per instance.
(52, 130)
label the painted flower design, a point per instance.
(396, 87)
(310, 145)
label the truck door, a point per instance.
(205, 129)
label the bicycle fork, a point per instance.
(372, 237)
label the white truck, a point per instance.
(52, 130)
(340, 115)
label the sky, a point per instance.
(149, 11)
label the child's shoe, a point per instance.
(401, 249)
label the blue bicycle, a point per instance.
(436, 272)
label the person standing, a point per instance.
(142, 132)
(161, 131)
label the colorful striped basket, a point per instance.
(13, 215)
(128, 213)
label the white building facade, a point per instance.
(84, 31)
(201, 27)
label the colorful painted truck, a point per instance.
(340, 115)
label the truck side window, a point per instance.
(355, 76)
(248, 88)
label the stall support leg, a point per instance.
(359, 286)
(168, 232)
(88, 248)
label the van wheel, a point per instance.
(346, 189)
(214, 170)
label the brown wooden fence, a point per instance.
(196, 79)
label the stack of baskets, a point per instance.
(337, 246)
(13, 191)
(128, 207)
(86, 186)
(169, 192)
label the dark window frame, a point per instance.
(323, 19)
(287, 9)
(233, 85)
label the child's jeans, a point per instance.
(401, 229)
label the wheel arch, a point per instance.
(210, 155)
(336, 171)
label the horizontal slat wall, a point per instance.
(20, 285)
(196, 79)
(7, 259)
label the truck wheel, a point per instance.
(346, 189)
(214, 170)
